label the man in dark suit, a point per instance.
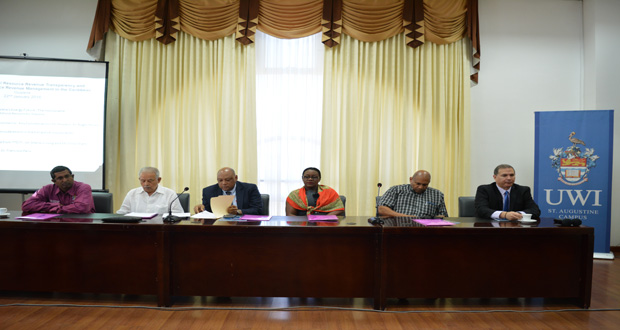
(503, 199)
(247, 198)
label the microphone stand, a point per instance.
(171, 218)
(377, 220)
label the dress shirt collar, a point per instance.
(232, 192)
(157, 191)
(413, 191)
(72, 191)
(501, 190)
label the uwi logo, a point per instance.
(571, 163)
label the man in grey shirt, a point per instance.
(415, 199)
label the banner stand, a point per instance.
(606, 256)
(573, 170)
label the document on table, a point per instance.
(220, 204)
(251, 217)
(204, 215)
(38, 216)
(141, 215)
(434, 222)
(321, 217)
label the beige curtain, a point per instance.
(444, 21)
(389, 110)
(290, 19)
(187, 108)
(437, 21)
(187, 105)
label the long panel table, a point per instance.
(291, 257)
(78, 253)
(284, 257)
(486, 259)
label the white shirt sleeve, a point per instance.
(126, 207)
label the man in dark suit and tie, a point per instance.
(247, 198)
(503, 199)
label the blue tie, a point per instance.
(506, 201)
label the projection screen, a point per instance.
(52, 112)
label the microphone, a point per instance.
(377, 220)
(170, 217)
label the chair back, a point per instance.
(343, 198)
(466, 206)
(184, 200)
(103, 202)
(265, 199)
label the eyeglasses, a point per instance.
(310, 177)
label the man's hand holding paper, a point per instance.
(221, 205)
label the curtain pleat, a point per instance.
(445, 21)
(437, 21)
(101, 24)
(290, 19)
(208, 19)
(167, 21)
(448, 23)
(247, 21)
(372, 20)
(331, 23)
(474, 35)
(413, 22)
(134, 19)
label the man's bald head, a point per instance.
(420, 181)
(226, 169)
(226, 178)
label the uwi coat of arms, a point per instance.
(571, 163)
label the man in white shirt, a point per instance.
(151, 197)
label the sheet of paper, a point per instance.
(220, 204)
(433, 222)
(182, 214)
(255, 217)
(141, 215)
(38, 216)
(319, 217)
(204, 215)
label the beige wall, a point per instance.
(53, 28)
(541, 55)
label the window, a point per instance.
(289, 96)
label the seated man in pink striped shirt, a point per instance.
(63, 196)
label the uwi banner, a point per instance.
(573, 168)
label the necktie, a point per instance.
(234, 200)
(506, 201)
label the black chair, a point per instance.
(344, 203)
(265, 199)
(103, 202)
(466, 206)
(184, 200)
